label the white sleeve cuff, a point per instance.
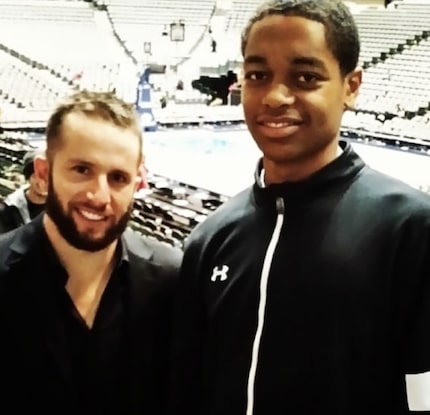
(418, 391)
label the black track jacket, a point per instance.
(308, 298)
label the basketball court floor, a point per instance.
(223, 160)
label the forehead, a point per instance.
(98, 141)
(287, 37)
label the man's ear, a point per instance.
(141, 178)
(352, 87)
(41, 169)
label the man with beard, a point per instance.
(85, 302)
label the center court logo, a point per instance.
(220, 272)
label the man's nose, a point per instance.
(278, 95)
(100, 190)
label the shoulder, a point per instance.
(387, 188)
(22, 243)
(7, 254)
(153, 265)
(392, 203)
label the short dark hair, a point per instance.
(341, 31)
(105, 105)
(28, 162)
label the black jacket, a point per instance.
(30, 368)
(307, 298)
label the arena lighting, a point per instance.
(147, 48)
(177, 31)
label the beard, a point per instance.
(69, 231)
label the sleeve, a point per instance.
(187, 338)
(414, 297)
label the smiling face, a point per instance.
(37, 191)
(91, 181)
(293, 95)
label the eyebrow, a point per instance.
(309, 61)
(80, 161)
(91, 164)
(299, 60)
(254, 59)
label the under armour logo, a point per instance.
(220, 272)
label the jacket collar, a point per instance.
(331, 178)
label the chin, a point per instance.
(282, 155)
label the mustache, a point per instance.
(98, 208)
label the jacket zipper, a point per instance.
(267, 264)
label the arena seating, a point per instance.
(240, 12)
(49, 48)
(136, 22)
(13, 146)
(169, 209)
(68, 43)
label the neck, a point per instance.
(82, 265)
(299, 170)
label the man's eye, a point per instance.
(255, 76)
(118, 178)
(81, 169)
(308, 78)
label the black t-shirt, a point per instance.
(34, 209)
(94, 357)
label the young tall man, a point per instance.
(309, 292)
(84, 303)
